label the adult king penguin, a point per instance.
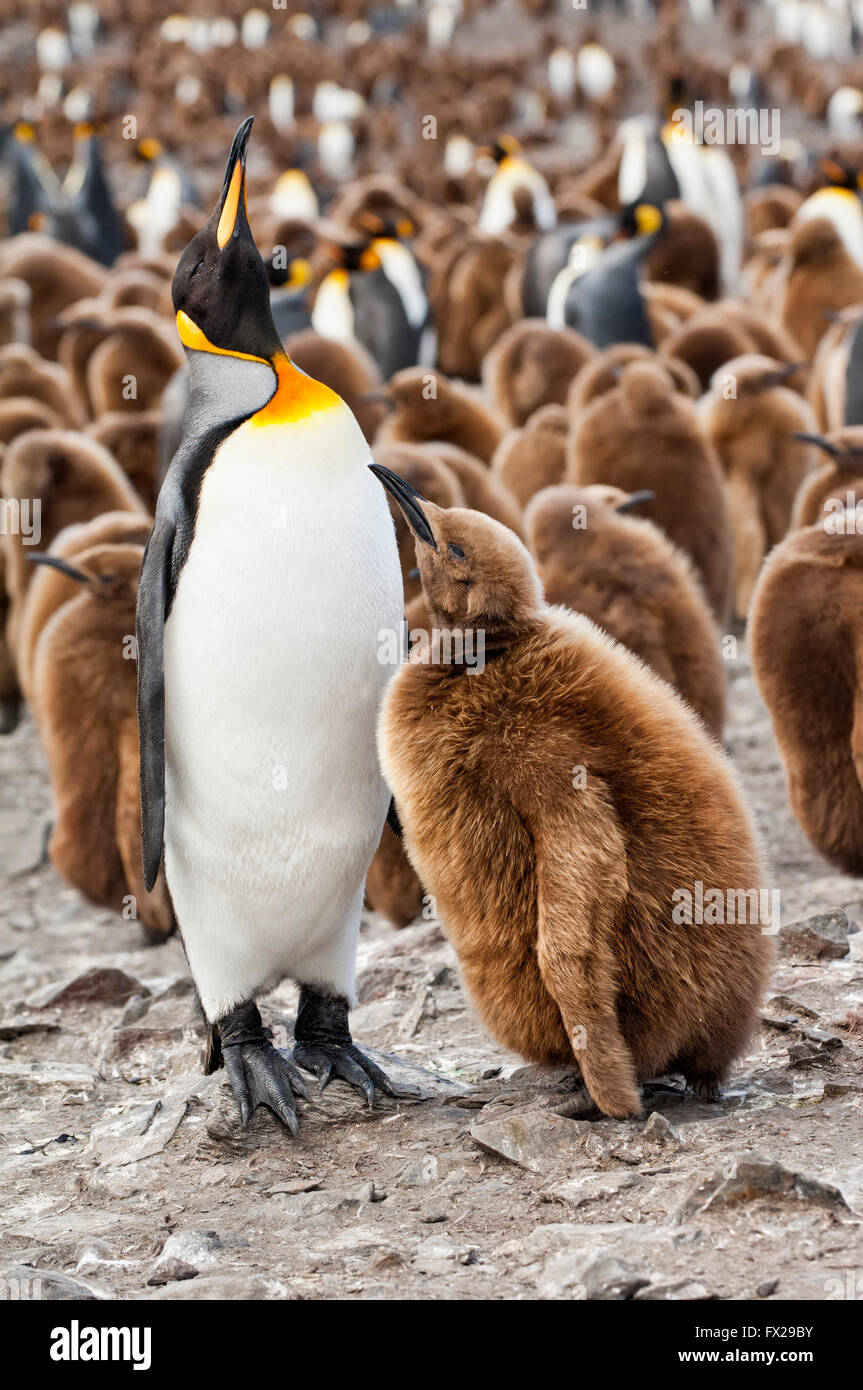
(271, 568)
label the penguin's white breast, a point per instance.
(272, 676)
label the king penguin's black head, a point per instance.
(221, 291)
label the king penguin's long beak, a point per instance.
(233, 212)
(819, 441)
(408, 500)
(54, 562)
(635, 500)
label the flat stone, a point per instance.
(591, 1187)
(437, 1253)
(142, 1131)
(29, 1282)
(49, 1073)
(747, 1177)
(420, 1173)
(823, 937)
(223, 1288)
(185, 1253)
(101, 985)
(536, 1140)
(664, 1291)
(22, 1025)
(592, 1275)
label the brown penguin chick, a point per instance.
(753, 421)
(85, 692)
(24, 373)
(130, 368)
(533, 457)
(645, 435)
(602, 374)
(15, 302)
(763, 274)
(133, 440)
(50, 588)
(473, 301)
(771, 205)
(10, 693)
(56, 275)
(687, 254)
(595, 555)
(768, 338)
(677, 303)
(559, 804)
(837, 484)
(823, 276)
(806, 644)
(73, 479)
(481, 488)
(532, 365)
(705, 341)
(21, 413)
(425, 406)
(349, 370)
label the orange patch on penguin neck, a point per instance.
(296, 397)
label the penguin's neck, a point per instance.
(296, 397)
(225, 388)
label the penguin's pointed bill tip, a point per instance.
(408, 500)
(41, 557)
(636, 499)
(234, 187)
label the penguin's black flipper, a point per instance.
(153, 599)
(323, 1045)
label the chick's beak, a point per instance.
(408, 500)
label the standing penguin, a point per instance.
(271, 568)
(358, 302)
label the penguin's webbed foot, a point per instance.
(259, 1073)
(324, 1046)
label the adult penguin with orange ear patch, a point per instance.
(271, 569)
(358, 302)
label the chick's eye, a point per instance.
(456, 550)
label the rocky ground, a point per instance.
(125, 1172)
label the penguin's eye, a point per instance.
(456, 550)
(195, 269)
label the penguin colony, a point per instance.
(596, 399)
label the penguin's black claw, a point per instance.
(348, 1063)
(324, 1046)
(259, 1073)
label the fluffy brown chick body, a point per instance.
(426, 406)
(534, 456)
(754, 433)
(532, 365)
(50, 588)
(823, 278)
(633, 582)
(85, 683)
(644, 435)
(558, 894)
(74, 479)
(806, 640)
